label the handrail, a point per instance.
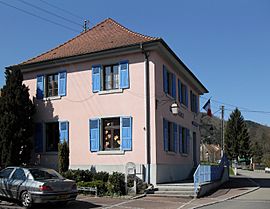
(208, 173)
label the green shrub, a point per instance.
(100, 185)
(102, 176)
(79, 175)
(63, 157)
(116, 185)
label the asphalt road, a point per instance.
(258, 199)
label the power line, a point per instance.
(64, 10)
(51, 13)
(37, 16)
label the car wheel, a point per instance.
(26, 199)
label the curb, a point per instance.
(229, 198)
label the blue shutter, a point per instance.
(126, 133)
(40, 86)
(187, 140)
(63, 131)
(175, 137)
(124, 75)
(165, 80)
(173, 86)
(186, 92)
(197, 104)
(96, 72)
(180, 140)
(179, 92)
(62, 83)
(165, 134)
(38, 137)
(94, 134)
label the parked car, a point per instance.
(36, 185)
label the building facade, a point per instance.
(109, 92)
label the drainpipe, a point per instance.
(147, 113)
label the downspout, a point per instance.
(147, 113)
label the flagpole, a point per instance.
(222, 129)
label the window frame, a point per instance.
(193, 102)
(56, 85)
(111, 128)
(183, 94)
(112, 76)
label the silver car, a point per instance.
(36, 185)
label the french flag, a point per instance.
(207, 107)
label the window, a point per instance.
(169, 134)
(182, 93)
(169, 82)
(6, 172)
(19, 174)
(52, 136)
(193, 102)
(110, 134)
(184, 140)
(52, 85)
(110, 77)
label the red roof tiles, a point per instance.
(105, 35)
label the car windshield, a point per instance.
(42, 174)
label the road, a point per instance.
(258, 199)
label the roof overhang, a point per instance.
(158, 45)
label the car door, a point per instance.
(15, 182)
(4, 176)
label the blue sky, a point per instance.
(225, 43)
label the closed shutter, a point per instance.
(126, 133)
(63, 131)
(124, 74)
(38, 137)
(96, 72)
(165, 80)
(40, 86)
(175, 137)
(62, 83)
(173, 86)
(165, 134)
(94, 134)
(180, 140)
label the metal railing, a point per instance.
(208, 173)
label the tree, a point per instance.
(63, 157)
(237, 143)
(16, 120)
(257, 152)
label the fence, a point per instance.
(209, 173)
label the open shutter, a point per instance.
(186, 93)
(187, 140)
(40, 86)
(173, 86)
(179, 92)
(124, 75)
(62, 83)
(180, 140)
(63, 131)
(165, 80)
(175, 137)
(96, 72)
(165, 134)
(38, 137)
(94, 134)
(126, 133)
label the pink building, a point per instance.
(109, 92)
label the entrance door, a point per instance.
(195, 149)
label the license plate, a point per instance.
(60, 197)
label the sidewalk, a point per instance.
(235, 187)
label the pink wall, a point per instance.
(81, 104)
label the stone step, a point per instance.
(171, 194)
(175, 187)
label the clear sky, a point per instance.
(226, 44)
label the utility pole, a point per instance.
(222, 129)
(86, 25)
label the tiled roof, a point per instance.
(106, 35)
